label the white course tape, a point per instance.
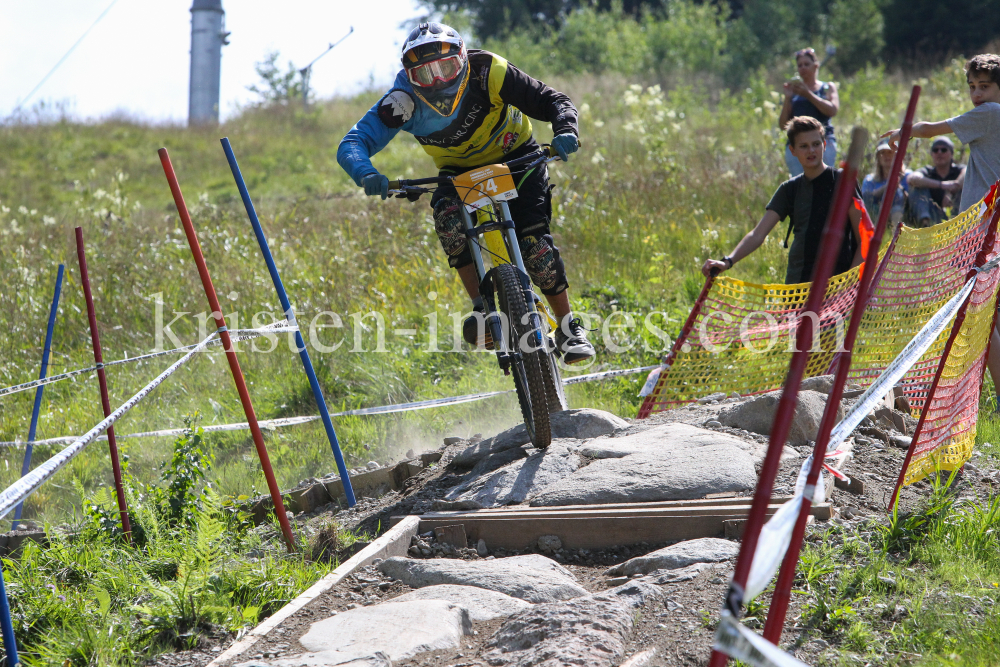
(606, 374)
(740, 642)
(901, 364)
(24, 487)
(237, 335)
(651, 379)
(292, 421)
(776, 534)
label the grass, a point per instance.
(197, 571)
(921, 589)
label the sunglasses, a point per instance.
(941, 149)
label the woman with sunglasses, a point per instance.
(807, 96)
(469, 109)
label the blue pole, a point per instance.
(26, 465)
(331, 434)
(9, 643)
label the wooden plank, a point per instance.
(714, 502)
(596, 529)
(592, 511)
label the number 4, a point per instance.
(491, 186)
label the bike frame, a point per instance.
(501, 242)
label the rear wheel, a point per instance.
(531, 368)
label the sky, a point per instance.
(136, 60)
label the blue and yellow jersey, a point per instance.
(488, 118)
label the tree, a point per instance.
(856, 29)
(925, 31)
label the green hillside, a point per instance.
(665, 178)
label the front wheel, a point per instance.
(530, 366)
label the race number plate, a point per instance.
(479, 186)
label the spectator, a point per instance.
(936, 187)
(807, 96)
(979, 129)
(874, 184)
(807, 199)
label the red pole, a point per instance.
(95, 338)
(786, 575)
(234, 364)
(832, 235)
(647, 403)
(988, 242)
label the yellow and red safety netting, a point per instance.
(743, 334)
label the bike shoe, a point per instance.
(574, 346)
(471, 329)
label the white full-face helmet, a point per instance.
(434, 56)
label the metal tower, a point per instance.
(208, 36)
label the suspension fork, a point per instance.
(486, 291)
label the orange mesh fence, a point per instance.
(743, 334)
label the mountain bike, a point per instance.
(516, 324)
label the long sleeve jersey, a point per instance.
(490, 118)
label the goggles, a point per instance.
(442, 69)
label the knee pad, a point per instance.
(450, 226)
(541, 259)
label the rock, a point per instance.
(481, 548)
(633, 594)
(821, 383)
(549, 543)
(584, 423)
(661, 438)
(482, 604)
(757, 415)
(669, 462)
(498, 460)
(373, 465)
(682, 554)
(456, 505)
(513, 483)
(581, 424)
(533, 577)
(900, 441)
(398, 630)
(676, 576)
(589, 631)
(706, 400)
(509, 439)
(713, 424)
(452, 440)
(427, 458)
(410, 454)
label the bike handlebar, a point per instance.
(546, 153)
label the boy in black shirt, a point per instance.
(936, 187)
(807, 199)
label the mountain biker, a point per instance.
(468, 109)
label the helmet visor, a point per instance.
(442, 69)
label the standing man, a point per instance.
(806, 199)
(936, 187)
(470, 109)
